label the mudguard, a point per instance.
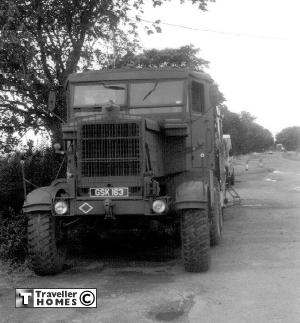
(41, 198)
(191, 195)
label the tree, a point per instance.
(246, 135)
(183, 57)
(42, 41)
(232, 125)
(289, 138)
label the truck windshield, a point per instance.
(92, 95)
(156, 93)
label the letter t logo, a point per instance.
(25, 296)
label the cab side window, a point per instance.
(197, 97)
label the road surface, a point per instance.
(254, 274)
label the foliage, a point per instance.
(13, 236)
(289, 137)
(183, 57)
(246, 135)
(41, 167)
(42, 41)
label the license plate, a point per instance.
(109, 192)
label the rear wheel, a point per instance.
(195, 240)
(46, 252)
(232, 178)
(216, 219)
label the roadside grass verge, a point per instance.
(292, 155)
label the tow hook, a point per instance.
(108, 208)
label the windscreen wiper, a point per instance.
(112, 87)
(151, 91)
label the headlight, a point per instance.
(61, 207)
(159, 206)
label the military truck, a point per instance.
(140, 144)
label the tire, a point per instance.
(46, 257)
(195, 240)
(216, 220)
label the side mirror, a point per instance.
(51, 101)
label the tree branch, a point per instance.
(41, 43)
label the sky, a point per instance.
(253, 48)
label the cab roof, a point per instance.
(137, 74)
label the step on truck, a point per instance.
(140, 144)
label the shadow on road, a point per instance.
(121, 248)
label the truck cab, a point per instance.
(140, 144)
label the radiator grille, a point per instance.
(110, 150)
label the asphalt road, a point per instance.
(254, 274)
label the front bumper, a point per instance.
(118, 207)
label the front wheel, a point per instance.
(195, 240)
(46, 254)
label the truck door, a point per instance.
(202, 126)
